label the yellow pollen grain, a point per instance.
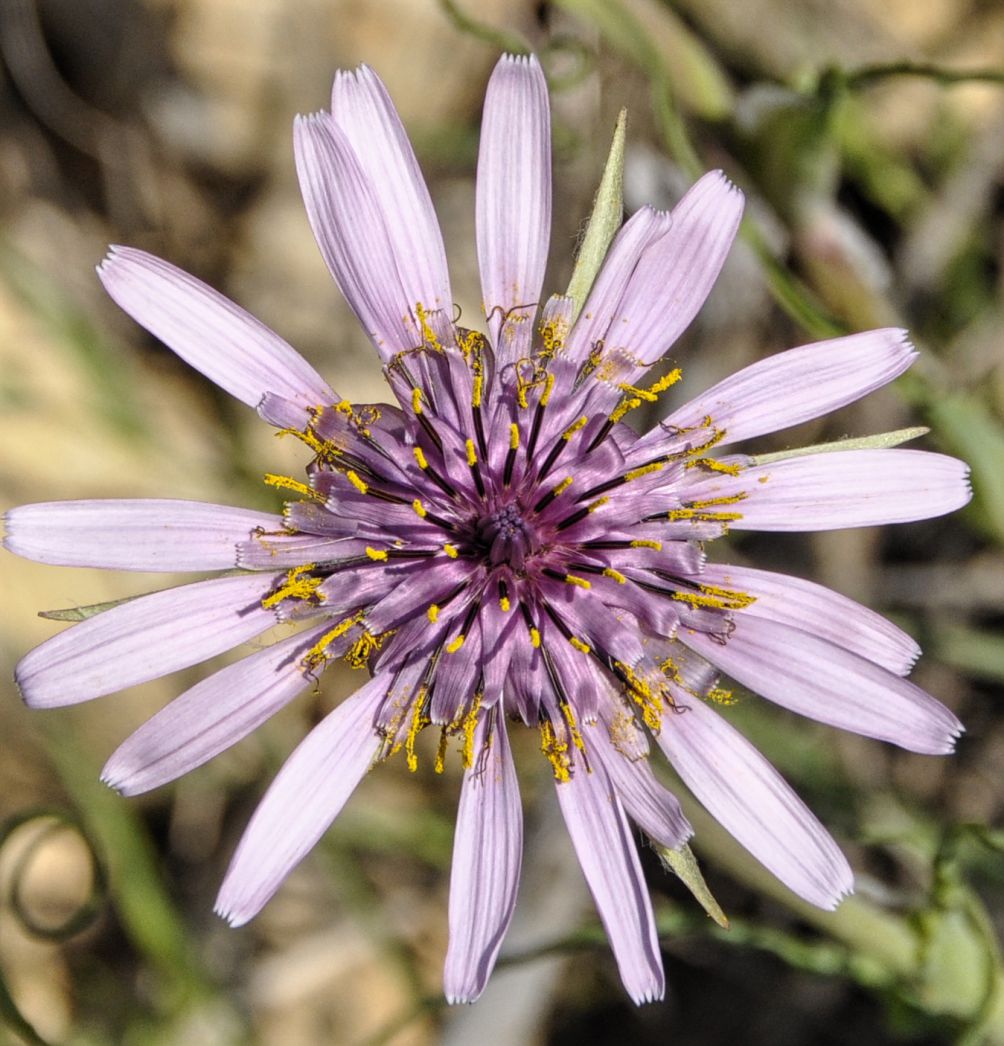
(420, 457)
(419, 508)
(615, 574)
(451, 550)
(476, 390)
(505, 604)
(514, 436)
(534, 638)
(581, 582)
(416, 400)
(432, 613)
(644, 543)
(472, 454)
(574, 427)
(376, 554)
(356, 482)
(599, 503)
(722, 696)
(580, 645)
(455, 644)
(548, 389)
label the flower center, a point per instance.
(503, 536)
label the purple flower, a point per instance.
(499, 547)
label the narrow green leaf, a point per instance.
(604, 221)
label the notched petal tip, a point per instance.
(234, 919)
(115, 781)
(654, 993)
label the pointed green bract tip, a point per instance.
(878, 441)
(604, 221)
(684, 864)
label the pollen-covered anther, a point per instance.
(716, 598)
(432, 613)
(429, 336)
(644, 470)
(299, 584)
(358, 483)
(579, 582)
(288, 483)
(553, 493)
(451, 550)
(556, 751)
(708, 510)
(378, 555)
(574, 427)
(317, 654)
(455, 644)
(358, 654)
(419, 721)
(712, 465)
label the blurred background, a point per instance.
(869, 139)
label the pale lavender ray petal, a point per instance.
(641, 230)
(609, 859)
(210, 332)
(675, 275)
(307, 794)
(514, 199)
(144, 639)
(349, 228)
(211, 716)
(487, 851)
(827, 614)
(654, 809)
(361, 107)
(750, 799)
(795, 386)
(151, 534)
(827, 683)
(848, 488)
